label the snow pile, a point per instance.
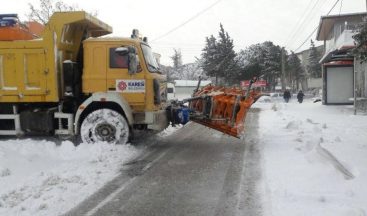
(169, 130)
(42, 178)
(314, 159)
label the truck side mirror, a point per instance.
(133, 60)
(122, 51)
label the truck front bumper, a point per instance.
(157, 120)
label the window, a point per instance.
(170, 90)
(118, 61)
(150, 59)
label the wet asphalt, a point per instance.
(195, 171)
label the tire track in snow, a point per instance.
(334, 161)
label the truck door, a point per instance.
(132, 87)
(22, 72)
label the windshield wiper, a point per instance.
(153, 67)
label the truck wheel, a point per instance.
(104, 125)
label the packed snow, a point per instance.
(314, 159)
(42, 178)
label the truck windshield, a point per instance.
(150, 59)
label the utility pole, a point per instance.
(354, 85)
(355, 81)
(283, 69)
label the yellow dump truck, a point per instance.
(72, 81)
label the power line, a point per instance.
(298, 23)
(301, 21)
(316, 27)
(311, 14)
(309, 22)
(187, 21)
(341, 5)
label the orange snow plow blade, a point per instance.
(223, 109)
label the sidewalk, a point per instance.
(314, 159)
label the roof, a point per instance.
(191, 83)
(337, 54)
(327, 23)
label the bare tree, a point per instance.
(46, 8)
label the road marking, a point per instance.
(123, 186)
(148, 166)
(242, 178)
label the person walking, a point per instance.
(286, 95)
(300, 96)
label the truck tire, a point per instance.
(104, 125)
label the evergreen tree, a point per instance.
(261, 60)
(360, 38)
(272, 63)
(210, 58)
(295, 70)
(248, 66)
(314, 67)
(219, 57)
(227, 55)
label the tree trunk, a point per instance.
(297, 84)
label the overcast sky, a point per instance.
(285, 22)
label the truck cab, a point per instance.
(144, 89)
(105, 70)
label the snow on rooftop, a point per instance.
(191, 83)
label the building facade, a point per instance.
(309, 83)
(187, 87)
(343, 76)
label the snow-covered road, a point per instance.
(296, 159)
(196, 171)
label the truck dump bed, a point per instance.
(31, 70)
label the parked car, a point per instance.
(271, 97)
(276, 96)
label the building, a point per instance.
(340, 70)
(309, 83)
(187, 87)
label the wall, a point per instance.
(185, 89)
(314, 83)
(361, 79)
(309, 83)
